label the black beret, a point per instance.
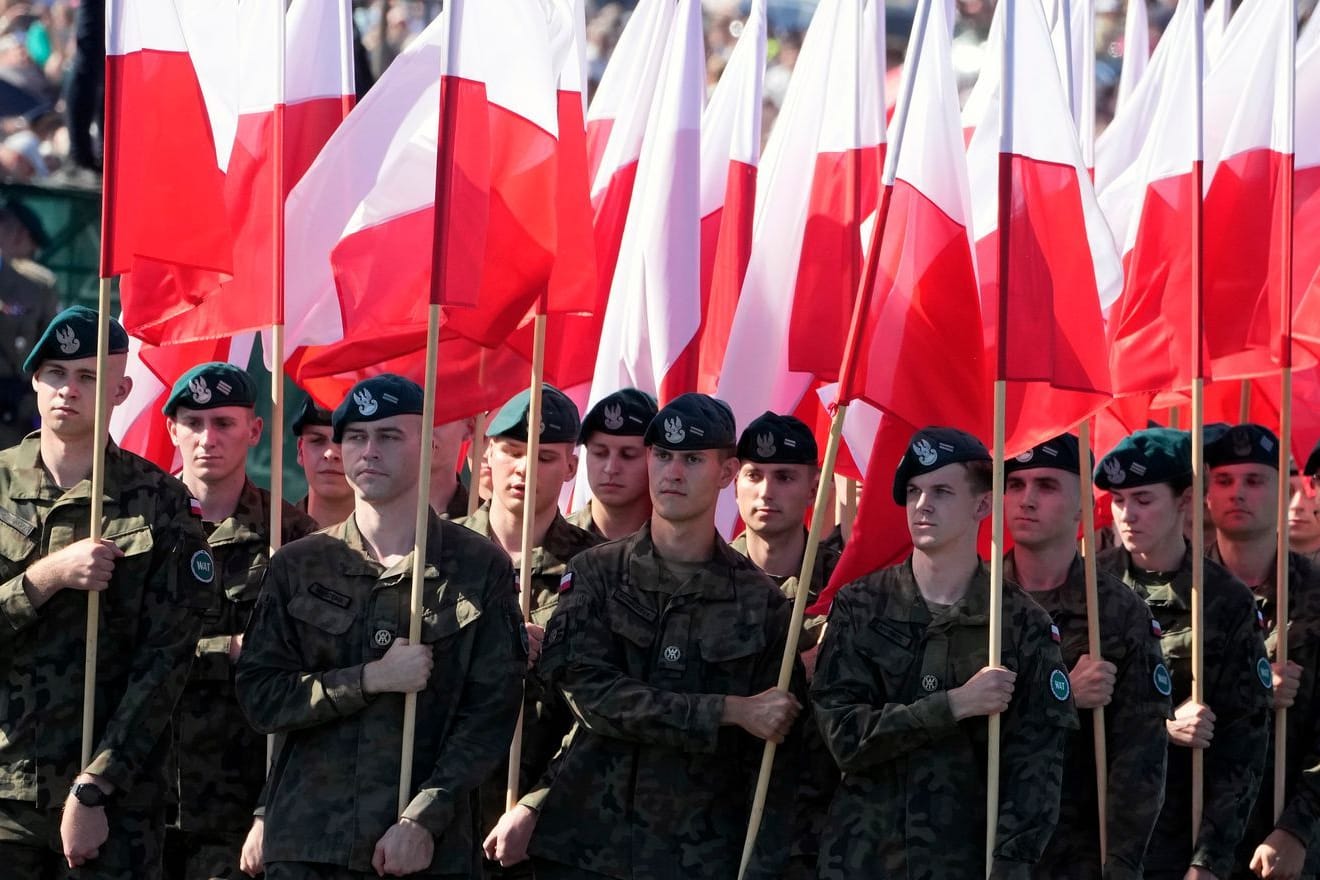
(211, 385)
(931, 449)
(72, 335)
(625, 413)
(776, 439)
(1155, 455)
(693, 421)
(310, 414)
(1062, 452)
(379, 397)
(559, 417)
(1241, 444)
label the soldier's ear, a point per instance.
(255, 424)
(572, 466)
(123, 388)
(729, 468)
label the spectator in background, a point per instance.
(83, 105)
(28, 303)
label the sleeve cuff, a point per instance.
(343, 688)
(429, 811)
(106, 765)
(1116, 871)
(1298, 823)
(934, 712)
(14, 604)
(535, 799)
(1217, 865)
(707, 710)
(1005, 869)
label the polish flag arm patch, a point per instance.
(566, 582)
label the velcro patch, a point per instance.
(566, 582)
(334, 597)
(1155, 629)
(194, 507)
(1054, 634)
(16, 522)
(1260, 619)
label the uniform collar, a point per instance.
(363, 563)
(1071, 593)
(906, 602)
(33, 482)
(1179, 588)
(248, 522)
(714, 581)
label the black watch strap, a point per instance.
(89, 794)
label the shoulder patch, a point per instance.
(566, 582)
(202, 566)
(1163, 681)
(1060, 689)
(1155, 629)
(1265, 674)
(1054, 634)
(1260, 619)
(194, 507)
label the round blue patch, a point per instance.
(1265, 674)
(1163, 682)
(203, 567)
(1059, 685)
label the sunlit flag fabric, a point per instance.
(1136, 52)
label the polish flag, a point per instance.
(1217, 19)
(1059, 255)
(654, 306)
(1306, 191)
(1136, 52)
(267, 101)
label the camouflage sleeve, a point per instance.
(180, 585)
(276, 694)
(1035, 730)
(536, 795)
(860, 724)
(485, 716)
(1235, 761)
(1137, 748)
(582, 658)
(1301, 814)
(15, 606)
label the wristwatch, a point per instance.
(89, 794)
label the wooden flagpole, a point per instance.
(1198, 419)
(101, 435)
(475, 452)
(1093, 629)
(277, 324)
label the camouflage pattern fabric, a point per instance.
(651, 785)
(583, 520)
(326, 609)
(912, 800)
(1237, 689)
(1136, 741)
(30, 846)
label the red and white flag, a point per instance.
(1306, 190)
(1136, 52)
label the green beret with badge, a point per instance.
(71, 335)
(931, 449)
(691, 422)
(774, 439)
(211, 386)
(1145, 458)
(1241, 444)
(379, 397)
(559, 417)
(310, 414)
(1061, 453)
(625, 413)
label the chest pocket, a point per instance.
(633, 625)
(449, 619)
(730, 653)
(326, 615)
(893, 648)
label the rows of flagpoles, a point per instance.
(759, 258)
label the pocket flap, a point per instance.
(447, 620)
(321, 614)
(133, 542)
(725, 645)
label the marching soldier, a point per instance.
(1304, 509)
(329, 497)
(903, 686)
(221, 759)
(326, 663)
(545, 720)
(616, 465)
(1243, 463)
(1042, 509)
(667, 645)
(1149, 476)
(156, 579)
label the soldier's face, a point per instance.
(382, 459)
(1243, 499)
(322, 463)
(685, 486)
(214, 443)
(1149, 518)
(446, 441)
(944, 509)
(66, 394)
(1303, 513)
(1042, 506)
(556, 465)
(616, 469)
(773, 498)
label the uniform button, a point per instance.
(383, 638)
(929, 683)
(672, 654)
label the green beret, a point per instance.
(72, 335)
(1062, 453)
(379, 397)
(310, 414)
(775, 439)
(210, 386)
(691, 422)
(1240, 444)
(559, 417)
(931, 449)
(1155, 455)
(625, 413)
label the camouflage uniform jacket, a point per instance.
(583, 519)
(827, 557)
(545, 721)
(151, 615)
(1237, 689)
(651, 785)
(1137, 742)
(912, 800)
(327, 608)
(221, 759)
(1301, 807)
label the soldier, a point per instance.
(546, 719)
(616, 465)
(1149, 476)
(667, 645)
(776, 485)
(329, 497)
(156, 579)
(326, 663)
(903, 686)
(1304, 509)
(1042, 509)
(449, 497)
(1242, 498)
(221, 759)
(28, 303)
